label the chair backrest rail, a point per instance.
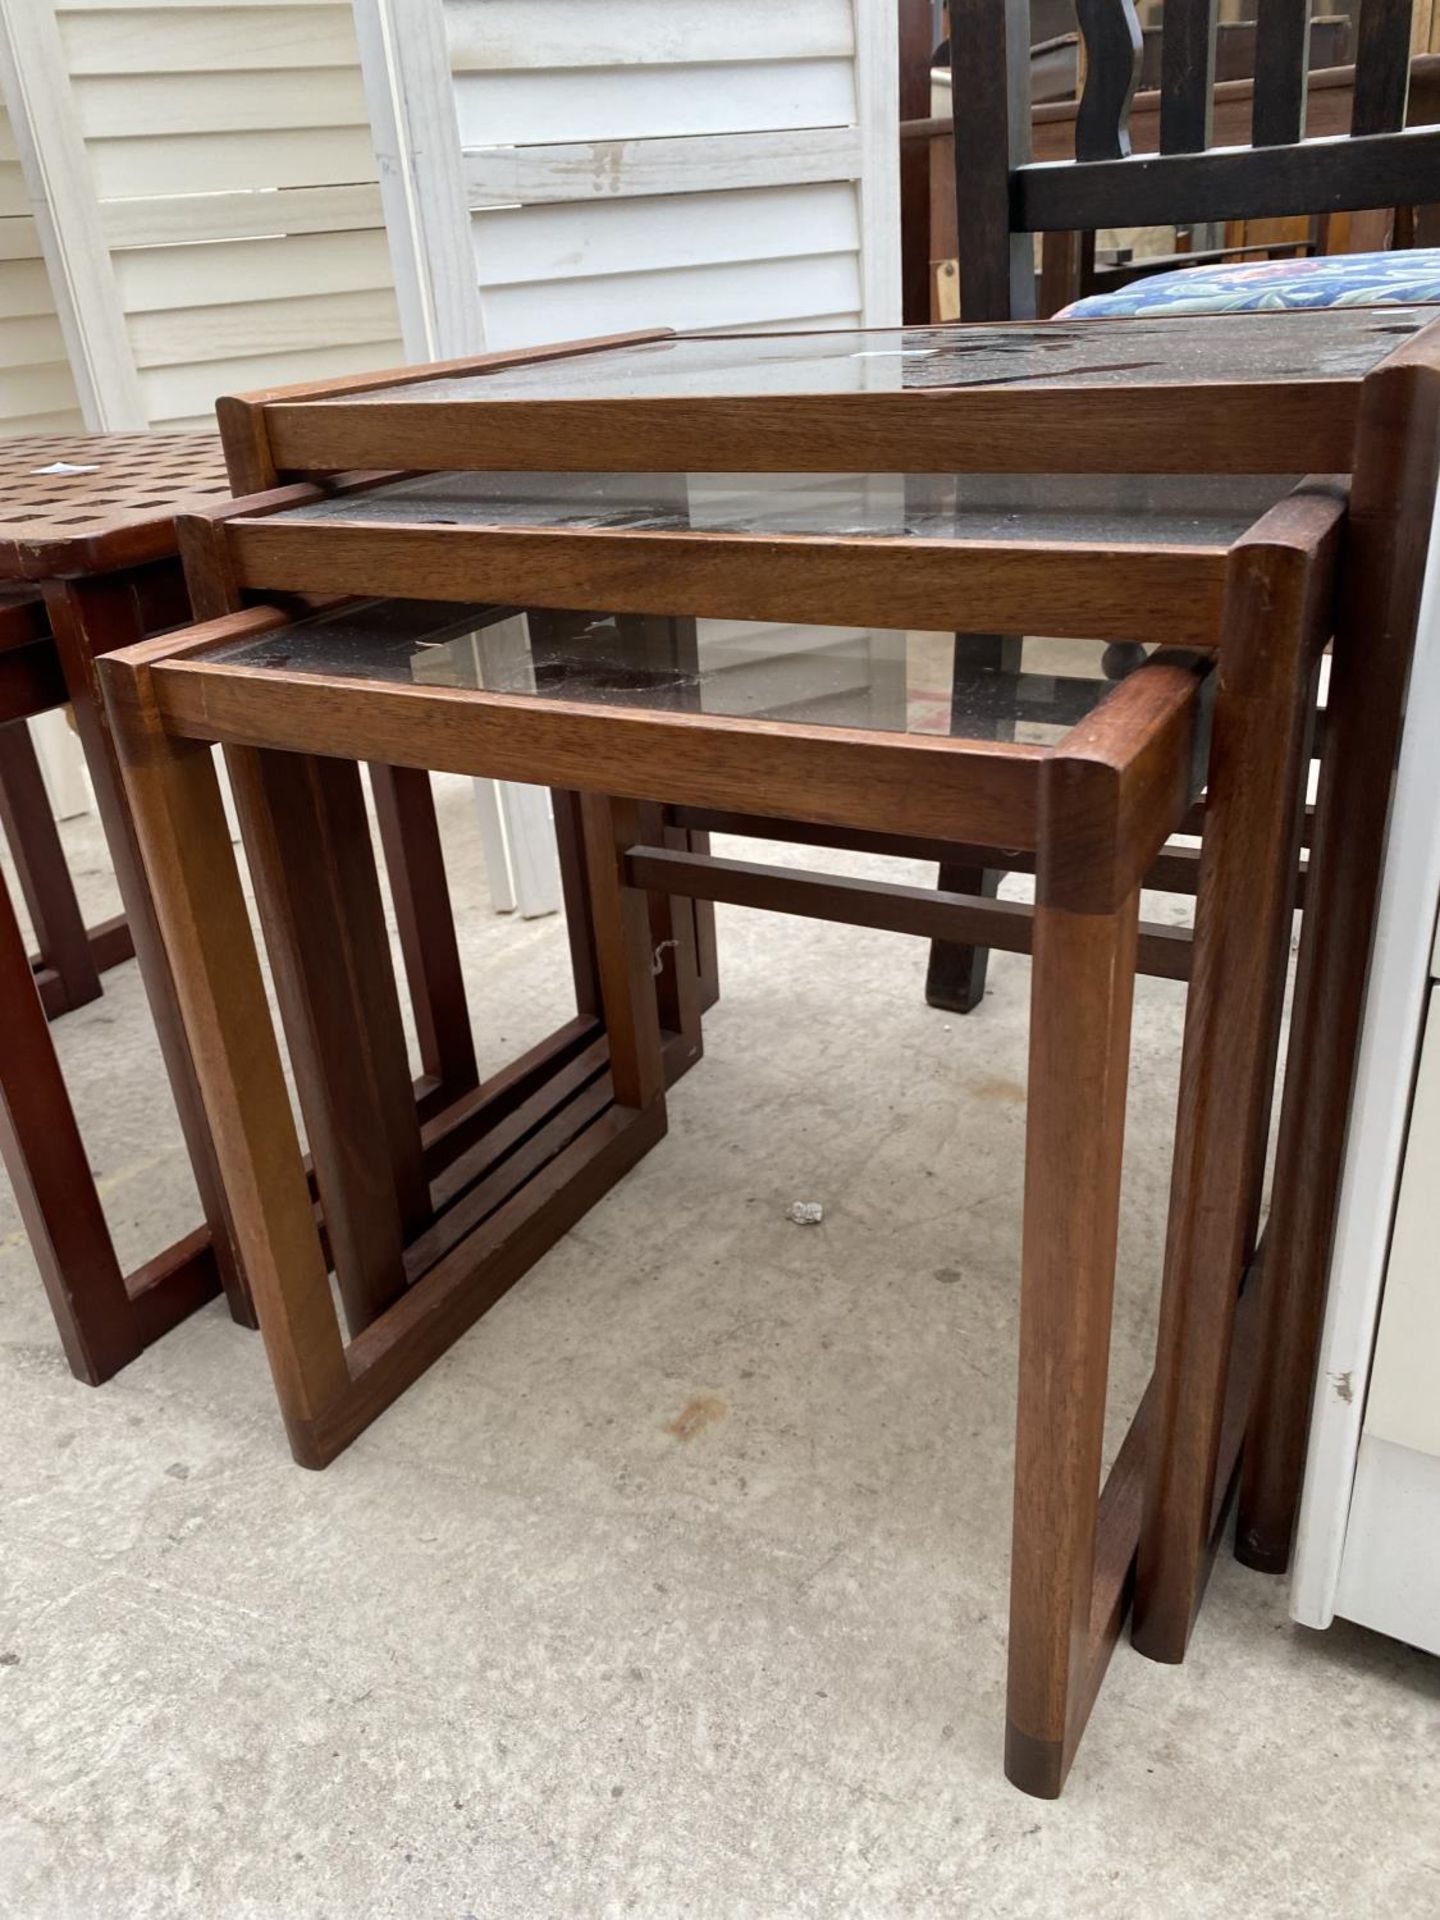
(1228, 183)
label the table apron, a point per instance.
(1084, 590)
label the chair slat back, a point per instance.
(1382, 66)
(1187, 74)
(1113, 45)
(1282, 31)
(996, 89)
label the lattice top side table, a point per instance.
(88, 524)
(90, 503)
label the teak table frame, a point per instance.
(1380, 424)
(87, 535)
(1094, 812)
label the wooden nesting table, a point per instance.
(1345, 391)
(566, 638)
(89, 563)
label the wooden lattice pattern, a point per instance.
(118, 481)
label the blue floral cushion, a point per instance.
(1407, 278)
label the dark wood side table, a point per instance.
(812, 741)
(1344, 391)
(87, 532)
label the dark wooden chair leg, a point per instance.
(63, 943)
(955, 975)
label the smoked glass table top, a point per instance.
(1336, 343)
(879, 680)
(1150, 510)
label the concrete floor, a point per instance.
(678, 1587)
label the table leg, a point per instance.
(64, 945)
(706, 955)
(1278, 611)
(45, 1159)
(415, 863)
(197, 899)
(624, 954)
(1082, 985)
(307, 839)
(88, 619)
(707, 946)
(575, 891)
(675, 945)
(1397, 464)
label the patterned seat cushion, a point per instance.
(1407, 278)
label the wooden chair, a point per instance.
(930, 228)
(1004, 197)
(927, 148)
